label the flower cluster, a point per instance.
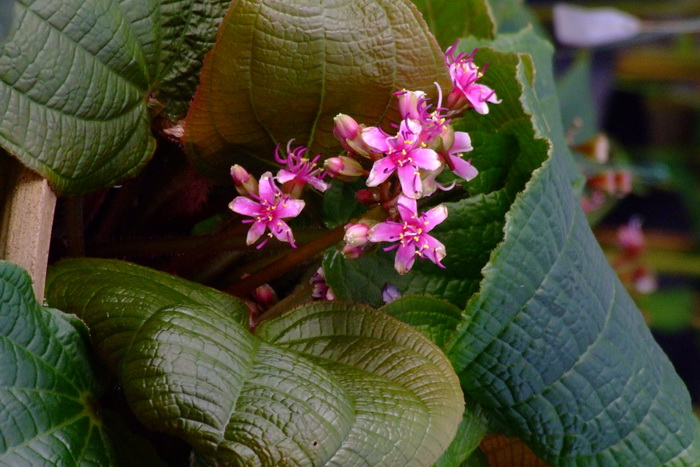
(268, 204)
(401, 167)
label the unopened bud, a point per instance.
(352, 252)
(349, 133)
(345, 127)
(245, 184)
(265, 296)
(368, 196)
(411, 103)
(356, 234)
(390, 293)
(344, 168)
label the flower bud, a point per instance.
(344, 168)
(356, 234)
(352, 252)
(390, 293)
(345, 127)
(368, 196)
(245, 184)
(349, 133)
(265, 296)
(411, 103)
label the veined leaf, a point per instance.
(48, 390)
(325, 384)
(283, 70)
(77, 79)
(550, 344)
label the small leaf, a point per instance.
(48, 396)
(292, 394)
(282, 71)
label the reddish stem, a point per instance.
(287, 263)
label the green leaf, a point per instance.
(576, 100)
(340, 205)
(550, 344)
(291, 394)
(344, 56)
(450, 20)
(47, 386)
(77, 79)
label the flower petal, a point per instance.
(267, 188)
(381, 170)
(425, 158)
(245, 206)
(408, 209)
(463, 168)
(289, 207)
(462, 142)
(411, 184)
(405, 257)
(375, 138)
(388, 231)
(433, 217)
(255, 232)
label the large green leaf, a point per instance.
(48, 391)
(327, 383)
(550, 344)
(77, 79)
(283, 70)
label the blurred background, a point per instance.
(628, 74)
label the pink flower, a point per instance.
(460, 142)
(465, 90)
(268, 212)
(299, 171)
(405, 154)
(411, 235)
(414, 105)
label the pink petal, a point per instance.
(411, 184)
(407, 209)
(289, 208)
(432, 249)
(388, 231)
(282, 232)
(255, 232)
(463, 168)
(462, 142)
(405, 257)
(381, 170)
(434, 217)
(375, 138)
(319, 184)
(245, 206)
(425, 158)
(285, 176)
(267, 188)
